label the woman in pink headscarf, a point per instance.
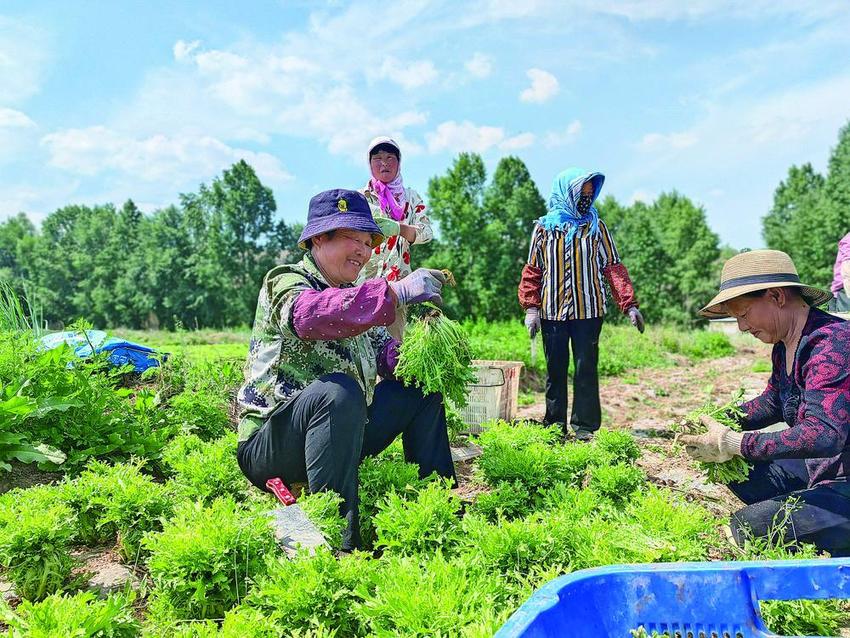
(399, 212)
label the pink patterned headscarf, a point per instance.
(390, 196)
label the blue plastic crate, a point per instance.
(687, 600)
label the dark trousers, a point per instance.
(583, 334)
(821, 517)
(324, 433)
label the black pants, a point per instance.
(583, 334)
(822, 516)
(324, 433)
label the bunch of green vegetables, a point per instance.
(435, 356)
(729, 414)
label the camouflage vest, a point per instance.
(280, 364)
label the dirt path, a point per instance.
(651, 398)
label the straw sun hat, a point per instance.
(759, 270)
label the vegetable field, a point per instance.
(150, 485)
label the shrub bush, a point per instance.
(117, 500)
(312, 591)
(378, 477)
(204, 558)
(82, 615)
(433, 596)
(425, 522)
(204, 470)
(36, 532)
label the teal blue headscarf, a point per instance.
(563, 211)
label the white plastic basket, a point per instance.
(494, 394)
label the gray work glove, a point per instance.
(636, 318)
(532, 321)
(423, 284)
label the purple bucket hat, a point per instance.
(339, 208)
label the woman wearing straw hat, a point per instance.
(809, 389)
(400, 213)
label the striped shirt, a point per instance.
(572, 286)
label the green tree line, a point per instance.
(199, 263)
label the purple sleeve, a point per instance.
(823, 417)
(339, 313)
(387, 359)
(765, 409)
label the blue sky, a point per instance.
(104, 101)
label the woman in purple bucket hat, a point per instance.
(310, 408)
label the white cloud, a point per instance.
(544, 86)
(10, 118)
(673, 10)
(456, 137)
(23, 55)
(254, 92)
(661, 141)
(17, 134)
(409, 76)
(159, 158)
(565, 136)
(523, 140)
(464, 136)
(182, 49)
(479, 65)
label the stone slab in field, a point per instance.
(7, 591)
(110, 578)
(466, 453)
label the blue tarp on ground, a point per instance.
(121, 352)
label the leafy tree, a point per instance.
(692, 250)
(648, 263)
(13, 232)
(484, 233)
(796, 198)
(811, 213)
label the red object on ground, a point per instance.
(276, 487)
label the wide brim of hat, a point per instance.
(714, 308)
(339, 222)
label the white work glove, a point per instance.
(718, 445)
(532, 321)
(423, 284)
(636, 318)
(845, 275)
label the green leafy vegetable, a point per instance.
(435, 356)
(736, 469)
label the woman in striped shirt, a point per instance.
(563, 295)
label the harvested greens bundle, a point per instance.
(735, 470)
(435, 356)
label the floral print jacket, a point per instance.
(814, 400)
(391, 260)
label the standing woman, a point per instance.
(563, 294)
(400, 213)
